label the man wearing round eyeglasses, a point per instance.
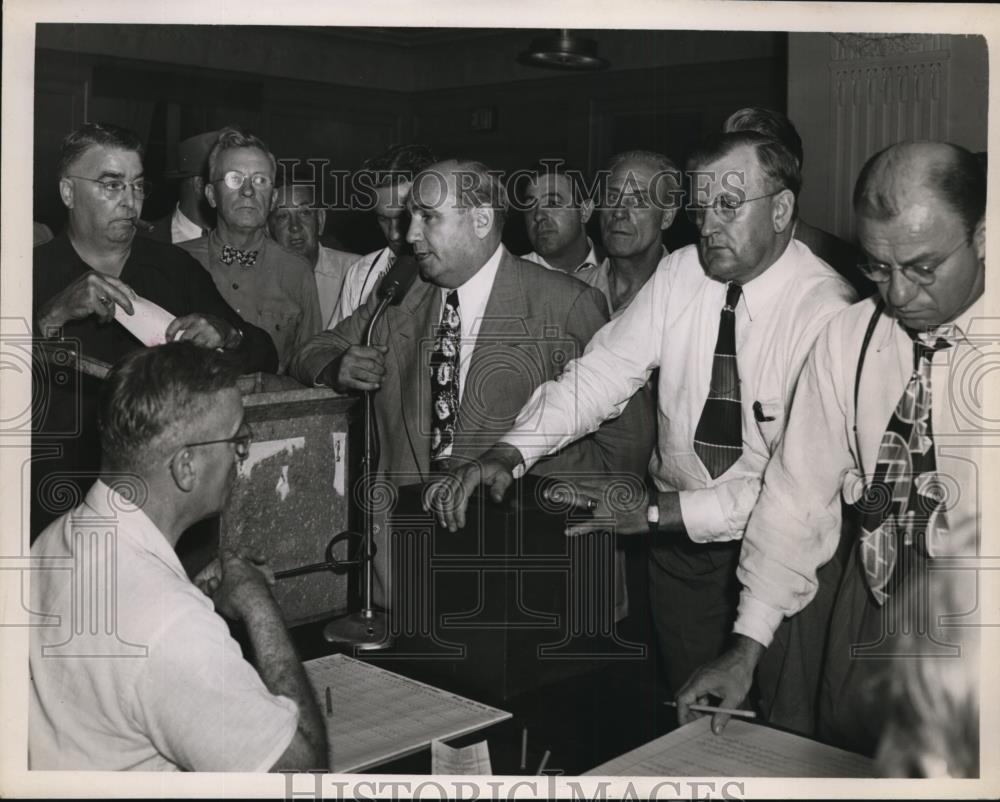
(267, 284)
(874, 423)
(167, 689)
(728, 322)
(81, 278)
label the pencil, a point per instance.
(712, 709)
(544, 763)
(524, 748)
(329, 702)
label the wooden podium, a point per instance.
(292, 493)
(505, 605)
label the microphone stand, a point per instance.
(367, 629)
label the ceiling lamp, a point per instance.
(563, 51)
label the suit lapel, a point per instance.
(503, 327)
(411, 330)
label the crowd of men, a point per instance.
(739, 380)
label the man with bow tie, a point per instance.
(876, 421)
(267, 284)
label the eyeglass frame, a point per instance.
(693, 212)
(243, 180)
(111, 194)
(241, 441)
(924, 279)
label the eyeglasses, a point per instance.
(113, 188)
(725, 206)
(918, 273)
(234, 179)
(241, 440)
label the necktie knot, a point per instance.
(231, 254)
(733, 293)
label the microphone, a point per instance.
(399, 279)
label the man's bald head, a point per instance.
(953, 174)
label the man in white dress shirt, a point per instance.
(746, 289)
(920, 214)
(135, 669)
(388, 176)
(296, 222)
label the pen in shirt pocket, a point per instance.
(758, 413)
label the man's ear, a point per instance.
(782, 210)
(183, 469)
(320, 221)
(667, 217)
(482, 220)
(66, 192)
(210, 194)
(586, 210)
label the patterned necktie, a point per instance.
(902, 508)
(718, 440)
(231, 254)
(444, 378)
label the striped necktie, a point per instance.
(718, 440)
(903, 506)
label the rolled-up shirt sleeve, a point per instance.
(795, 527)
(720, 512)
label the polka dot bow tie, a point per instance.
(245, 258)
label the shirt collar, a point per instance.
(107, 504)
(759, 293)
(474, 292)
(589, 263)
(956, 331)
(185, 222)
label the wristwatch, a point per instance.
(653, 514)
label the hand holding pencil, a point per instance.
(727, 678)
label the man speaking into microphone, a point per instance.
(455, 361)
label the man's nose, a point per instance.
(246, 188)
(709, 223)
(413, 233)
(900, 290)
(294, 224)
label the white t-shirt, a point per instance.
(136, 670)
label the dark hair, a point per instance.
(233, 137)
(398, 163)
(557, 168)
(958, 180)
(91, 135)
(776, 161)
(768, 122)
(151, 391)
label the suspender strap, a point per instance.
(869, 333)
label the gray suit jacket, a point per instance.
(536, 320)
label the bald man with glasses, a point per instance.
(728, 322)
(875, 424)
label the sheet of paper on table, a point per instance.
(147, 323)
(377, 715)
(743, 750)
(472, 759)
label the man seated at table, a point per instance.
(167, 687)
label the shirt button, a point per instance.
(236, 286)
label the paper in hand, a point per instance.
(149, 322)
